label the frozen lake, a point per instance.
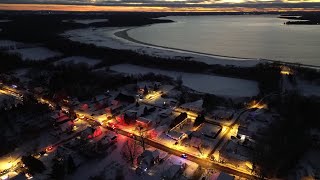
(245, 36)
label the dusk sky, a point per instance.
(162, 5)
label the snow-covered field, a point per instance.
(4, 20)
(104, 37)
(78, 60)
(308, 89)
(8, 44)
(86, 21)
(36, 53)
(222, 86)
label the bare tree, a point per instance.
(130, 151)
(142, 136)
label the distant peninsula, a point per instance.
(306, 19)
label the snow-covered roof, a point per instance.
(193, 106)
(172, 171)
(208, 130)
(175, 135)
(195, 141)
(224, 176)
(235, 151)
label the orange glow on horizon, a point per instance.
(92, 8)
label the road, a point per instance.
(204, 162)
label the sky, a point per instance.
(162, 5)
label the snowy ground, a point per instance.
(104, 37)
(35, 53)
(308, 89)
(6, 98)
(4, 20)
(77, 60)
(86, 21)
(8, 44)
(222, 86)
(308, 165)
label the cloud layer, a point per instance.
(297, 4)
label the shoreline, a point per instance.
(123, 34)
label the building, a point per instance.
(207, 130)
(255, 125)
(173, 172)
(123, 99)
(91, 132)
(195, 106)
(108, 139)
(236, 154)
(177, 136)
(195, 142)
(62, 122)
(221, 176)
(146, 160)
(144, 122)
(178, 119)
(129, 117)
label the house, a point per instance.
(195, 142)
(91, 132)
(178, 119)
(207, 130)
(108, 139)
(114, 108)
(124, 99)
(66, 127)
(144, 122)
(236, 154)
(165, 113)
(129, 117)
(195, 106)
(173, 172)
(146, 160)
(255, 125)
(222, 113)
(176, 135)
(221, 176)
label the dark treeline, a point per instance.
(288, 138)
(17, 116)
(42, 28)
(9, 62)
(306, 18)
(79, 81)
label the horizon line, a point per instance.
(132, 8)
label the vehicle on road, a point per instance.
(184, 156)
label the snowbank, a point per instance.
(218, 85)
(78, 60)
(35, 53)
(105, 37)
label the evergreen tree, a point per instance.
(71, 165)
